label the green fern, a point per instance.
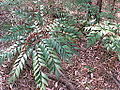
(12, 50)
(38, 62)
(107, 34)
(53, 61)
(18, 67)
(16, 32)
(45, 45)
(48, 44)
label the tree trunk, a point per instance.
(113, 4)
(99, 4)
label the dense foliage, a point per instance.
(46, 34)
(45, 45)
(107, 34)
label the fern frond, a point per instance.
(64, 27)
(112, 43)
(53, 61)
(47, 46)
(38, 62)
(10, 52)
(64, 52)
(107, 34)
(16, 32)
(63, 34)
(18, 67)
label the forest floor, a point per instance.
(93, 69)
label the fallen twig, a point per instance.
(63, 81)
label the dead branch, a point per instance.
(65, 82)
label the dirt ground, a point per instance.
(93, 69)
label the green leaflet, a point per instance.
(52, 58)
(15, 32)
(11, 51)
(38, 62)
(17, 67)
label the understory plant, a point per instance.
(34, 39)
(45, 34)
(107, 34)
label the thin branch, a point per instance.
(65, 82)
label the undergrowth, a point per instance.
(48, 44)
